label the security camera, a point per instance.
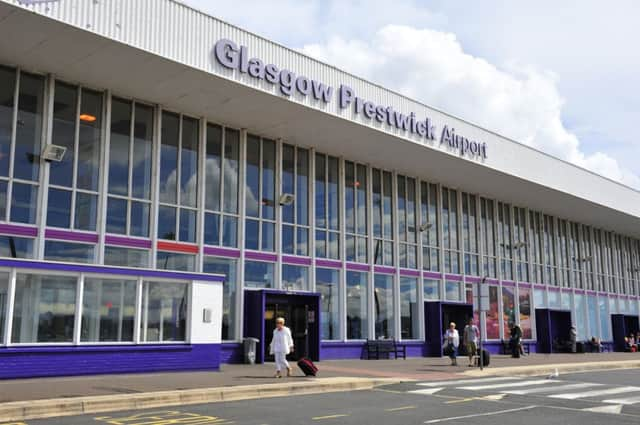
(286, 199)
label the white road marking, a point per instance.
(465, 381)
(426, 391)
(499, 412)
(507, 385)
(551, 389)
(596, 393)
(615, 409)
(630, 400)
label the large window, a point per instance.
(382, 217)
(327, 206)
(505, 241)
(4, 299)
(130, 168)
(493, 315)
(520, 244)
(605, 318)
(550, 275)
(429, 226)
(490, 262)
(74, 182)
(431, 289)
(328, 285)
(177, 215)
(295, 278)
(108, 310)
(580, 316)
(20, 144)
(508, 308)
(357, 301)
(383, 306)
(69, 252)
(536, 247)
(258, 274)
(295, 215)
(563, 243)
(592, 314)
(470, 235)
(260, 194)
(356, 212)
(164, 311)
(409, 314)
(44, 309)
(524, 307)
(175, 261)
(450, 231)
(407, 229)
(221, 186)
(226, 267)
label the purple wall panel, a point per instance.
(356, 350)
(301, 261)
(231, 352)
(68, 235)
(126, 241)
(16, 230)
(222, 252)
(92, 360)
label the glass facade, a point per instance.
(140, 186)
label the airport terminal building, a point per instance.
(170, 184)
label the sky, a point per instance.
(563, 77)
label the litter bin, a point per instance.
(250, 350)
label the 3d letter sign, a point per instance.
(231, 56)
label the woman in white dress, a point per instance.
(281, 345)
(451, 343)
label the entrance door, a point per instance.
(296, 318)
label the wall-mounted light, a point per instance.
(286, 199)
(53, 153)
(87, 118)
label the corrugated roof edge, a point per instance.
(495, 133)
(200, 11)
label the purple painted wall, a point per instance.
(231, 352)
(356, 350)
(31, 362)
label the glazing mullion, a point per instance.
(14, 130)
(221, 188)
(130, 177)
(76, 144)
(178, 179)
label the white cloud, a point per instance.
(516, 100)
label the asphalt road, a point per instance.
(594, 398)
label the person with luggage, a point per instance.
(281, 345)
(451, 343)
(470, 337)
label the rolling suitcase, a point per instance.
(486, 358)
(307, 367)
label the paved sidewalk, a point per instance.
(243, 375)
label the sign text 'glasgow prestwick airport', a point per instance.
(232, 56)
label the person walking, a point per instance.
(281, 345)
(470, 337)
(516, 341)
(451, 343)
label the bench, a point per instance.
(383, 348)
(590, 347)
(506, 347)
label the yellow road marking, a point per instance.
(389, 391)
(321, 418)
(163, 418)
(396, 409)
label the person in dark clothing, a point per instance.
(573, 337)
(516, 340)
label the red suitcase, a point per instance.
(307, 367)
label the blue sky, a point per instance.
(560, 76)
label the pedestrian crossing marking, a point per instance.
(426, 391)
(465, 381)
(555, 388)
(595, 393)
(625, 401)
(614, 409)
(507, 385)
